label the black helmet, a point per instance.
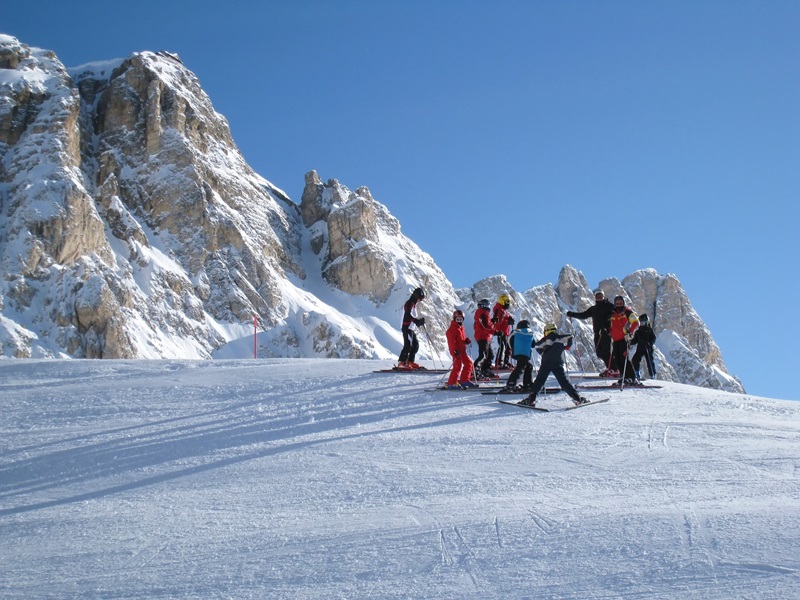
(643, 318)
(619, 298)
(523, 324)
(419, 293)
(483, 303)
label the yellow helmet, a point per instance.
(503, 299)
(550, 328)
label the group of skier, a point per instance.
(616, 328)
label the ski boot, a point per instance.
(580, 400)
(528, 400)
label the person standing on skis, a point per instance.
(552, 347)
(622, 324)
(521, 342)
(644, 338)
(502, 321)
(457, 342)
(410, 341)
(600, 313)
(484, 330)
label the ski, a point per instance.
(502, 390)
(540, 409)
(485, 390)
(585, 388)
(414, 371)
(510, 403)
(586, 404)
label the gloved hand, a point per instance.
(467, 341)
(456, 353)
(420, 322)
(570, 314)
(628, 336)
(510, 321)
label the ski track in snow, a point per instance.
(320, 479)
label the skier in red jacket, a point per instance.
(457, 342)
(622, 324)
(484, 330)
(502, 321)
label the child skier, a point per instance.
(521, 342)
(552, 347)
(644, 338)
(484, 330)
(457, 342)
(503, 322)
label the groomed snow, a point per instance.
(314, 478)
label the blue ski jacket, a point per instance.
(521, 341)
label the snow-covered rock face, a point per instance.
(133, 227)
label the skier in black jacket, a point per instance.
(552, 347)
(644, 338)
(600, 312)
(410, 342)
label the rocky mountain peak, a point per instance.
(132, 227)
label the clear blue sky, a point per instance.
(517, 137)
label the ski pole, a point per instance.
(577, 348)
(473, 375)
(651, 361)
(430, 343)
(625, 366)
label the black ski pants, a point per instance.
(524, 368)
(410, 345)
(644, 351)
(557, 369)
(485, 356)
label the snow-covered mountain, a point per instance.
(132, 227)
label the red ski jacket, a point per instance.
(622, 322)
(484, 328)
(456, 339)
(501, 319)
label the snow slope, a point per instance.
(310, 478)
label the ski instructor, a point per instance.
(600, 313)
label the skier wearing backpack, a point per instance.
(552, 347)
(521, 342)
